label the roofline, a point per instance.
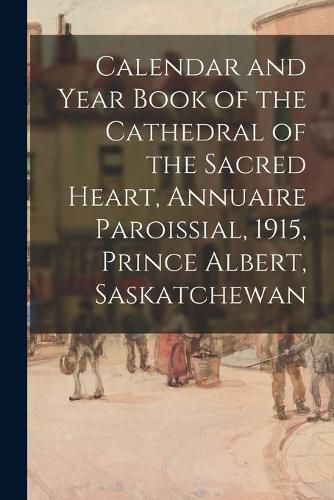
(33, 23)
(288, 10)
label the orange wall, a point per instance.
(311, 21)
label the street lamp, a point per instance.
(322, 126)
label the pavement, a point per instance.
(307, 457)
(242, 359)
(145, 440)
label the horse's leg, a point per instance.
(143, 352)
(77, 384)
(131, 359)
(94, 361)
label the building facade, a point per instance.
(303, 17)
(66, 144)
(288, 30)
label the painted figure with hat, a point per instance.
(321, 348)
(286, 361)
(135, 323)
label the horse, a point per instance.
(85, 346)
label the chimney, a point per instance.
(64, 28)
(61, 24)
(66, 52)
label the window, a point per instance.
(166, 179)
(209, 278)
(282, 115)
(284, 48)
(41, 256)
(188, 180)
(111, 167)
(282, 148)
(226, 175)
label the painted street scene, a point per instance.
(133, 393)
(147, 437)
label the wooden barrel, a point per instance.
(206, 370)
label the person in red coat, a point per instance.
(170, 350)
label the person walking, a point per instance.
(170, 349)
(321, 347)
(279, 346)
(135, 323)
(322, 350)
